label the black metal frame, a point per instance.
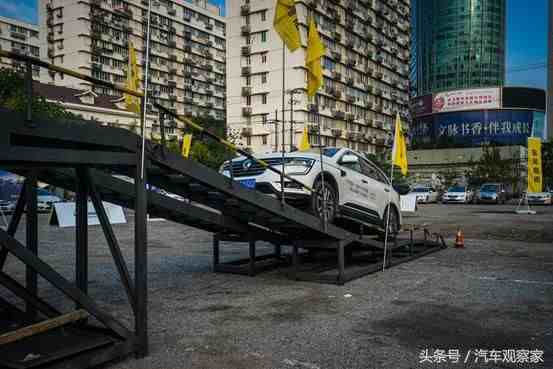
(68, 155)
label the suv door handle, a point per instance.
(387, 189)
(364, 181)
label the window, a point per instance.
(264, 139)
(264, 36)
(264, 16)
(264, 99)
(264, 78)
(264, 58)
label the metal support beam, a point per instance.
(252, 257)
(341, 263)
(14, 222)
(81, 231)
(111, 240)
(62, 284)
(141, 262)
(20, 291)
(216, 258)
(31, 279)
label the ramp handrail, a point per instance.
(180, 118)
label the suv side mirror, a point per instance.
(349, 159)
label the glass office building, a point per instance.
(457, 44)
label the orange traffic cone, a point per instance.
(459, 240)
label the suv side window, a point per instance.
(370, 171)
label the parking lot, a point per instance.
(496, 294)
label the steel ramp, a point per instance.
(77, 143)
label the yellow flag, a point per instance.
(315, 51)
(186, 144)
(132, 103)
(304, 142)
(535, 175)
(399, 151)
(286, 23)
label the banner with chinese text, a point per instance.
(535, 178)
(505, 127)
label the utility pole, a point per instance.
(293, 92)
(549, 109)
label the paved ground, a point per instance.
(497, 293)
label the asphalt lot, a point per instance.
(497, 293)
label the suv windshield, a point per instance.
(489, 188)
(456, 189)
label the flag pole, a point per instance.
(146, 76)
(283, 124)
(386, 224)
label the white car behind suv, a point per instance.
(458, 194)
(355, 188)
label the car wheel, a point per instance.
(393, 224)
(331, 198)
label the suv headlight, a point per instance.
(298, 166)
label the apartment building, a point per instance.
(19, 37)
(366, 70)
(187, 49)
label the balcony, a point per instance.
(173, 97)
(172, 83)
(338, 114)
(246, 50)
(336, 55)
(246, 71)
(350, 98)
(19, 36)
(172, 11)
(246, 30)
(313, 108)
(209, 91)
(337, 36)
(209, 26)
(351, 63)
(247, 131)
(350, 117)
(336, 132)
(247, 111)
(349, 81)
(244, 10)
(336, 75)
(312, 128)
(123, 11)
(337, 93)
(246, 91)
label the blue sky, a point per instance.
(526, 36)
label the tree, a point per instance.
(448, 177)
(493, 168)
(14, 97)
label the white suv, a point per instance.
(355, 188)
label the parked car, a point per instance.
(356, 190)
(540, 198)
(425, 194)
(7, 206)
(458, 194)
(47, 197)
(494, 193)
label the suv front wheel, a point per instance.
(330, 206)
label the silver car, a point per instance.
(355, 188)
